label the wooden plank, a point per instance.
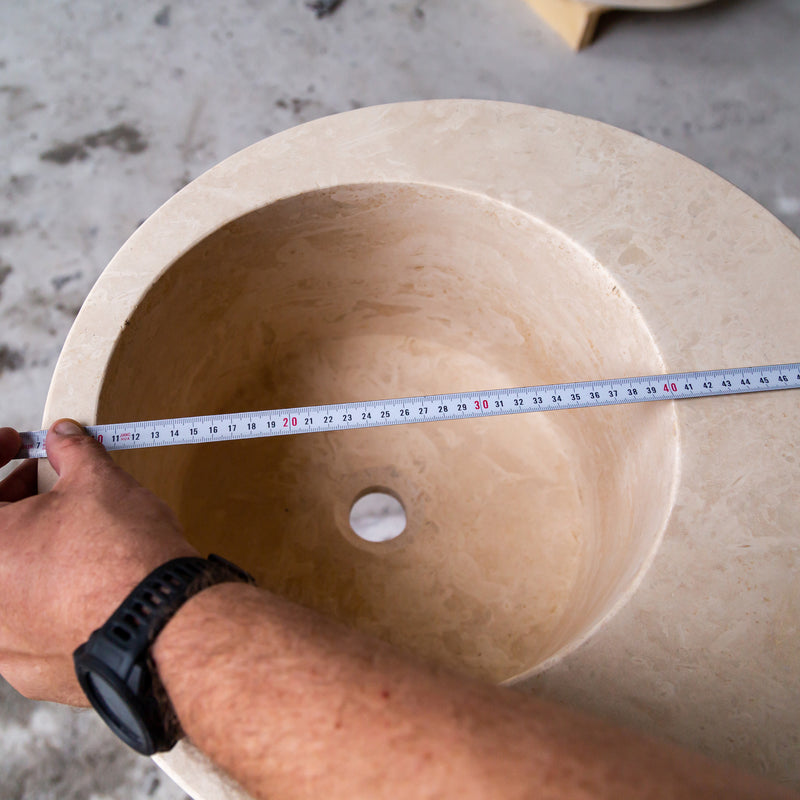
(574, 21)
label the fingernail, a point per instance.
(66, 427)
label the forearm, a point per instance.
(295, 706)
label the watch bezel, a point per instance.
(151, 737)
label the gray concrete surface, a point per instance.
(109, 108)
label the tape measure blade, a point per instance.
(431, 408)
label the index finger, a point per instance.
(21, 483)
(10, 444)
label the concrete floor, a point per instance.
(108, 109)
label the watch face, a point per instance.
(117, 713)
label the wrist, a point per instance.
(196, 645)
(116, 668)
(101, 599)
(204, 624)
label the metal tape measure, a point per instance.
(403, 411)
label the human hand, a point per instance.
(69, 557)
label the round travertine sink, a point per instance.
(522, 532)
(435, 247)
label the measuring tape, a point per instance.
(430, 408)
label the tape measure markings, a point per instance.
(430, 408)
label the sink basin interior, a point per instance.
(522, 533)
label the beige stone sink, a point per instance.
(453, 246)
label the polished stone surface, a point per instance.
(108, 112)
(523, 243)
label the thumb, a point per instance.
(71, 450)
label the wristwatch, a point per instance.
(115, 667)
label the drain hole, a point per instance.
(377, 516)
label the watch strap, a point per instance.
(151, 605)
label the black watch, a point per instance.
(115, 668)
